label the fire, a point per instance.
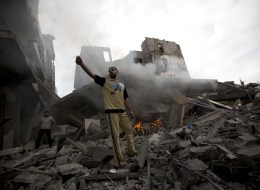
(138, 125)
(143, 128)
(156, 123)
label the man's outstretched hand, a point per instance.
(79, 60)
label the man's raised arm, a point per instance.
(79, 61)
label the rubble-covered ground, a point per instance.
(218, 147)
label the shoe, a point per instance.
(122, 165)
(131, 159)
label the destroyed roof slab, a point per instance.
(255, 151)
(14, 63)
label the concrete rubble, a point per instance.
(189, 133)
(214, 149)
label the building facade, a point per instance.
(26, 60)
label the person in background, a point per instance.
(115, 99)
(45, 125)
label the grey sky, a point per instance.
(219, 39)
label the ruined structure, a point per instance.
(97, 58)
(152, 94)
(49, 64)
(216, 148)
(169, 61)
(166, 55)
(213, 147)
(26, 70)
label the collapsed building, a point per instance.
(189, 133)
(170, 78)
(27, 72)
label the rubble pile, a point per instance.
(218, 147)
(219, 151)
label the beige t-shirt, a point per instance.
(114, 93)
(46, 122)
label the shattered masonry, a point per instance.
(27, 71)
(189, 133)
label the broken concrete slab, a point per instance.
(229, 154)
(40, 183)
(93, 128)
(250, 157)
(185, 153)
(196, 165)
(11, 151)
(61, 160)
(111, 176)
(99, 153)
(65, 150)
(201, 138)
(155, 139)
(142, 153)
(96, 136)
(220, 104)
(209, 117)
(204, 153)
(81, 146)
(82, 184)
(67, 169)
(248, 137)
(26, 160)
(52, 152)
(228, 131)
(184, 144)
(27, 178)
(27, 170)
(216, 140)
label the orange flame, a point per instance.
(138, 125)
(155, 123)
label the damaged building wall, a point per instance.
(24, 61)
(49, 64)
(11, 128)
(134, 57)
(96, 58)
(167, 56)
(169, 61)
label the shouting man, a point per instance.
(115, 99)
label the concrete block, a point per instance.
(196, 164)
(250, 157)
(61, 160)
(67, 169)
(184, 144)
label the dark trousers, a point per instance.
(39, 137)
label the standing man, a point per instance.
(44, 126)
(115, 100)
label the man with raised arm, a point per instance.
(115, 99)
